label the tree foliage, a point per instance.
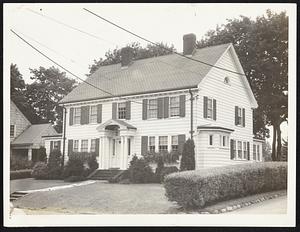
(139, 52)
(188, 156)
(49, 87)
(262, 47)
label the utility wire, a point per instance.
(156, 44)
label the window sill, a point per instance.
(210, 119)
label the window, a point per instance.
(76, 145)
(174, 106)
(84, 145)
(56, 145)
(258, 153)
(77, 112)
(245, 150)
(152, 108)
(93, 114)
(93, 145)
(122, 110)
(254, 152)
(175, 143)
(234, 148)
(12, 131)
(211, 140)
(239, 149)
(209, 108)
(151, 144)
(163, 143)
(224, 140)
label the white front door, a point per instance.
(115, 154)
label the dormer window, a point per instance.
(227, 80)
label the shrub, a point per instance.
(166, 171)
(19, 163)
(42, 155)
(54, 165)
(202, 187)
(74, 179)
(74, 167)
(40, 171)
(92, 163)
(20, 174)
(188, 156)
(140, 171)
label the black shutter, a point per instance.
(248, 150)
(114, 111)
(214, 109)
(145, 108)
(71, 116)
(70, 146)
(231, 149)
(236, 114)
(166, 107)
(181, 141)
(160, 108)
(97, 147)
(144, 145)
(205, 107)
(243, 117)
(128, 110)
(99, 113)
(182, 105)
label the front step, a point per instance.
(16, 195)
(104, 174)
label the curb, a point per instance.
(230, 208)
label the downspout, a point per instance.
(192, 112)
(64, 136)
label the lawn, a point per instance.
(102, 198)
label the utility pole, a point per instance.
(64, 136)
(191, 99)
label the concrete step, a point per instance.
(16, 195)
(104, 174)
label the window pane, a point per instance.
(240, 149)
(122, 110)
(93, 114)
(77, 112)
(210, 139)
(152, 108)
(75, 145)
(163, 143)
(12, 130)
(174, 106)
(84, 145)
(93, 145)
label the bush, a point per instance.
(140, 171)
(74, 179)
(74, 167)
(20, 174)
(202, 187)
(188, 156)
(40, 171)
(166, 171)
(19, 163)
(54, 165)
(42, 155)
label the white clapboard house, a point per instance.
(146, 107)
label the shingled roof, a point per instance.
(155, 74)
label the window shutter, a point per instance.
(99, 113)
(231, 149)
(71, 116)
(51, 146)
(181, 141)
(145, 108)
(236, 115)
(160, 104)
(70, 146)
(114, 111)
(248, 150)
(182, 105)
(84, 116)
(166, 107)
(97, 147)
(243, 117)
(128, 110)
(214, 109)
(144, 145)
(205, 107)
(59, 148)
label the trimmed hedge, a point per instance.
(20, 174)
(192, 189)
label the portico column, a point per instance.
(30, 153)
(122, 152)
(106, 152)
(125, 153)
(101, 153)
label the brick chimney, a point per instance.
(189, 44)
(126, 56)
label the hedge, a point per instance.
(192, 189)
(20, 174)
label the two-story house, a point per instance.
(145, 105)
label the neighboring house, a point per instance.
(25, 138)
(149, 108)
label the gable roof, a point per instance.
(115, 122)
(169, 72)
(34, 133)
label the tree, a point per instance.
(17, 94)
(266, 151)
(188, 156)
(114, 56)
(284, 152)
(262, 47)
(49, 87)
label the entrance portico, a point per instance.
(115, 142)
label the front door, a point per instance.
(115, 154)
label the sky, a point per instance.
(44, 26)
